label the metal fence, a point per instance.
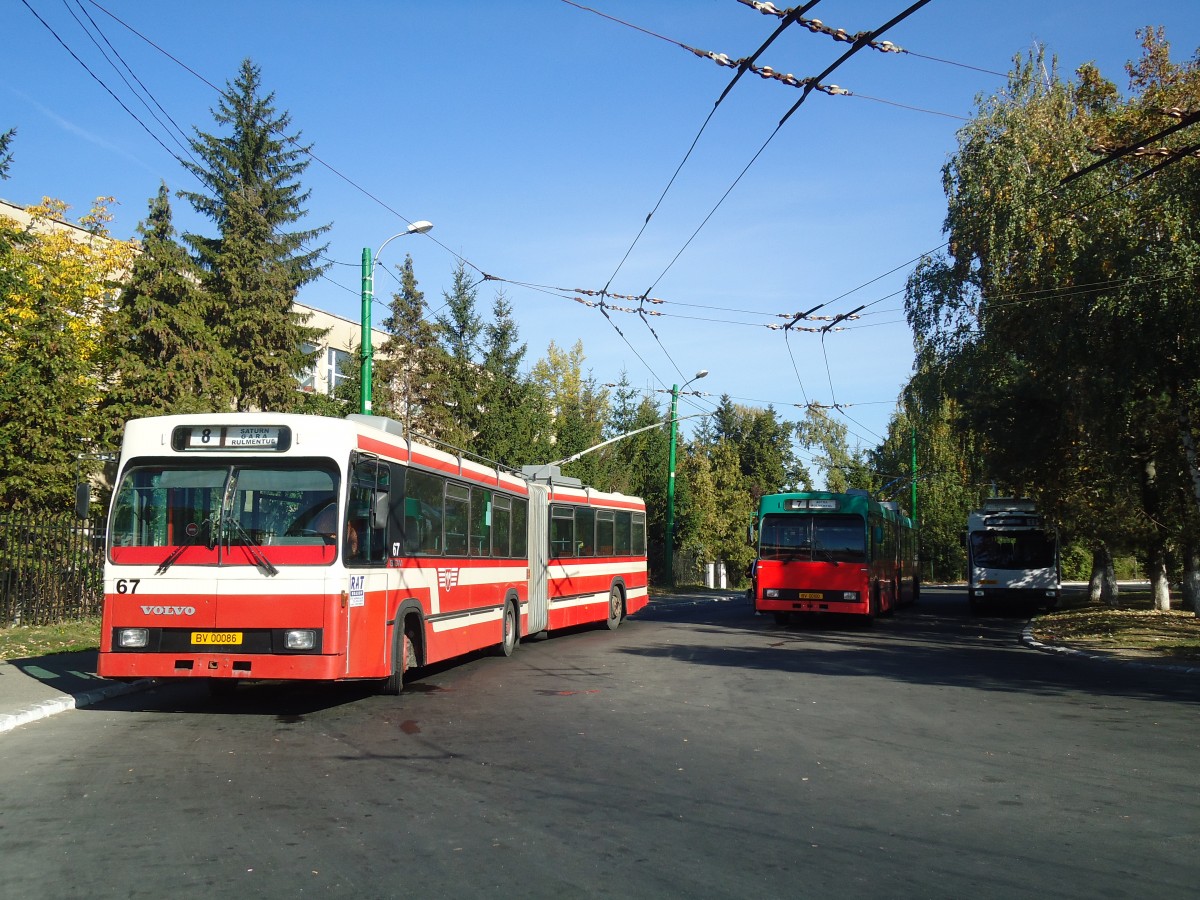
(51, 567)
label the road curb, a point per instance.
(1030, 641)
(63, 702)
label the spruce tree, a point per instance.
(459, 329)
(5, 152)
(410, 383)
(514, 426)
(163, 357)
(253, 268)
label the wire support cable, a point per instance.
(807, 90)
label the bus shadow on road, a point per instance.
(939, 645)
(288, 701)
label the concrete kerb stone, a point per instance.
(63, 702)
(1030, 641)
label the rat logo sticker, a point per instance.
(358, 592)
(447, 578)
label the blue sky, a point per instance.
(537, 136)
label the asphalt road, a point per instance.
(699, 751)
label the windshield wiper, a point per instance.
(827, 554)
(206, 525)
(252, 546)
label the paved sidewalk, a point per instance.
(32, 689)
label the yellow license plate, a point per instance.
(810, 596)
(217, 638)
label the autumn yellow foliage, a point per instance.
(77, 266)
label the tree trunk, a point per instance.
(1160, 590)
(1156, 558)
(1191, 575)
(1102, 588)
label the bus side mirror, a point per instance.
(379, 511)
(83, 500)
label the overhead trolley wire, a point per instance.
(792, 16)
(100, 82)
(858, 45)
(179, 136)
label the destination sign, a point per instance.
(203, 438)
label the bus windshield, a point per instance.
(1013, 549)
(813, 538)
(200, 513)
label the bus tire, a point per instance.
(402, 652)
(510, 629)
(616, 607)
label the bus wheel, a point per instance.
(616, 608)
(394, 683)
(510, 636)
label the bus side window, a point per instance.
(605, 532)
(624, 534)
(520, 528)
(585, 531)
(501, 525)
(639, 534)
(458, 518)
(481, 522)
(423, 513)
(562, 531)
(366, 519)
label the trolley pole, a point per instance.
(368, 296)
(669, 537)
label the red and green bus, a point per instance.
(826, 552)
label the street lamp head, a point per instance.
(700, 374)
(419, 227)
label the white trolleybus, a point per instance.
(286, 547)
(1012, 556)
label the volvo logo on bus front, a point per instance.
(168, 610)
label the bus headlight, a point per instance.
(852, 596)
(300, 640)
(772, 593)
(133, 637)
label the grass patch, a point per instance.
(24, 641)
(1133, 628)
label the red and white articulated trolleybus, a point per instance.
(267, 546)
(823, 552)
